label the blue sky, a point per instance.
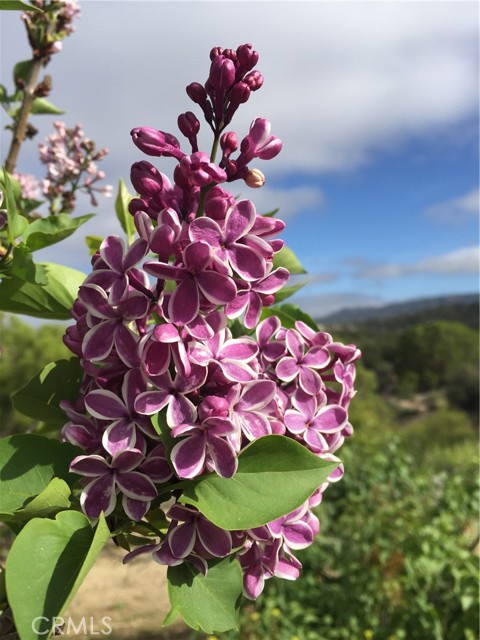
(376, 102)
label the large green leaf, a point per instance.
(121, 208)
(45, 567)
(288, 314)
(47, 231)
(275, 476)
(289, 290)
(206, 603)
(16, 223)
(54, 498)
(40, 397)
(24, 267)
(52, 300)
(286, 258)
(17, 5)
(27, 465)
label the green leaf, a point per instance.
(288, 291)
(46, 565)
(288, 314)
(23, 266)
(47, 231)
(286, 258)
(121, 208)
(54, 498)
(27, 465)
(275, 476)
(21, 72)
(16, 224)
(42, 106)
(206, 603)
(52, 300)
(17, 5)
(93, 244)
(40, 398)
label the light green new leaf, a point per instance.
(159, 422)
(275, 476)
(21, 72)
(46, 565)
(206, 603)
(40, 397)
(16, 223)
(47, 231)
(287, 259)
(41, 106)
(52, 300)
(93, 243)
(121, 208)
(54, 498)
(27, 465)
(17, 5)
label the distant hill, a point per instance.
(460, 308)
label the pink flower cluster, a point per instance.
(174, 387)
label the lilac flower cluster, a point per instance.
(170, 390)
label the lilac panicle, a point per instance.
(172, 390)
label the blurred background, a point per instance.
(377, 105)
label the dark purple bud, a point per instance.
(197, 93)
(239, 94)
(216, 51)
(254, 80)
(247, 57)
(156, 143)
(231, 54)
(222, 73)
(229, 143)
(146, 179)
(188, 124)
(217, 202)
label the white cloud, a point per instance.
(323, 304)
(290, 202)
(460, 262)
(456, 210)
(341, 79)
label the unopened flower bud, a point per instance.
(156, 143)
(254, 80)
(222, 73)
(216, 51)
(229, 143)
(247, 57)
(254, 178)
(197, 93)
(188, 124)
(146, 178)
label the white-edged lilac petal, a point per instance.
(200, 329)
(253, 581)
(135, 509)
(267, 329)
(99, 495)
(119, 436)
(315, 441)
(216, 287)
(103, 278)
(133, 385)
(287, 568)
(254, 310)
(179, 410)
(287, 369)
(157, 469)
(150, 402)
(239, 220)
(166, 333)
(237, 306)
(126, 344)
(298, 535)
(218, 542)
(256, 395)
(181, 539)
(96, 301)
(112, 251)
(237, 371)
(304, 403)
(105, 405)
(90, 466)
(239, 349)
(294, 344)
(136, 252)
(188, 456)
(184, 303)
(197, 256)
(223, 457)
(316, 357)
(273, 282)
(295, 421)
(119, 290)
(310, 381)
(98, 341)
(156, 358)
(219, 426)
(164, 271)
(134, 307)
(135, 485)
(254, 425)
(207, 230)
(128, 460)
(247, 262)
(331, 418)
